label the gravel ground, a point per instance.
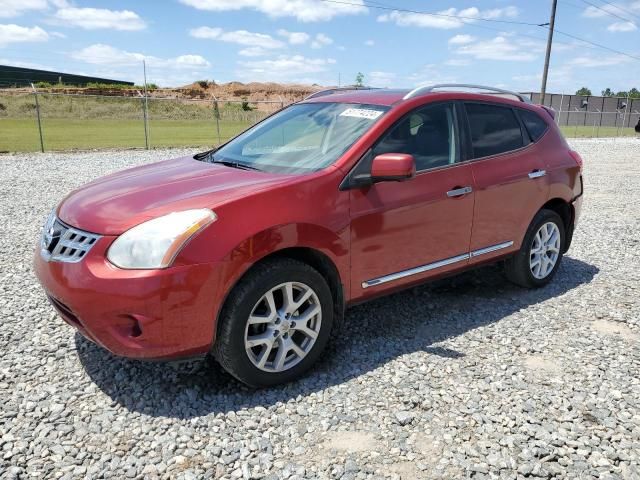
(468, 377)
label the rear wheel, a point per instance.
(275, 323)
(540, 255)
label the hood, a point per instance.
(117, 202)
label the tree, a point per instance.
(584, 91)
(607, 92)
(359, 80)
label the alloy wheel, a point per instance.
(283, 327)
(545, 250)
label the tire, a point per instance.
(523, 268)
(250, 351)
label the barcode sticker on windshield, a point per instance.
(361, 113)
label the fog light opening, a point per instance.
(136, 329)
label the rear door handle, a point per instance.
(459, 192)
(537, 173)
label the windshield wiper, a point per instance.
(227, 163)
(205, 155)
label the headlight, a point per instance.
(155, 244)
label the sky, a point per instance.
(394, 43)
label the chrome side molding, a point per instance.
(432, 266)
(492, 248)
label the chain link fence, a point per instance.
(53, 122)
(38, 121)
(593, 116)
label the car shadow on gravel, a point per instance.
(374, 333)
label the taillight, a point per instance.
(576, 156)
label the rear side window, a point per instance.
(534, 124)
(494, 129)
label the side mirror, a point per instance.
(394, 167)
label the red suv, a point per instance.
(252, 251)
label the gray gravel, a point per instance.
(468, 377)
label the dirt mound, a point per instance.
(247, 91)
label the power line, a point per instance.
(621, 9)
(381, 6)
(542, 25)
(606, 11)
(597, 45)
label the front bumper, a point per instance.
(146, 314)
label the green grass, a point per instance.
(21, 135)
(590, 132)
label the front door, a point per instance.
(403, 232)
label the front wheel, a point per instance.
(540, 255)
(275, 323)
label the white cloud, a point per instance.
(321, 40)
(288, 68)
(503, 48)
(303, 10)
(12, 33)
(457, 62)
(595, 62)
(294, 38)
(239, 37)
(254, 52)
(13, 8)
(446, 19)
(622, 27)
(369, 43)
(381, 79)
(98, 18)
(429, 75)
(100, 54)
(461, 39)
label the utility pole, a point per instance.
(545, 73)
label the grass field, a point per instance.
(21, 135)
(591, 132)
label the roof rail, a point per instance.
(430, 88)
(330, 91)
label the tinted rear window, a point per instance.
(494, 129)
(535, 125)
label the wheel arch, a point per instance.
(567, 213)
(261, 248)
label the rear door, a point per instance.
(510, 179)
(402, 232)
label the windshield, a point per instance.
(302, 138)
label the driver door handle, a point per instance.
(459, 192)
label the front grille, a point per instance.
(62, 243)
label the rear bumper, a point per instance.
(577, 209)
(147, 314)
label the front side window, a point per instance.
(429, 134)
(494, 129)
(302, 138)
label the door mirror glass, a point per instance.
(393, 167)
